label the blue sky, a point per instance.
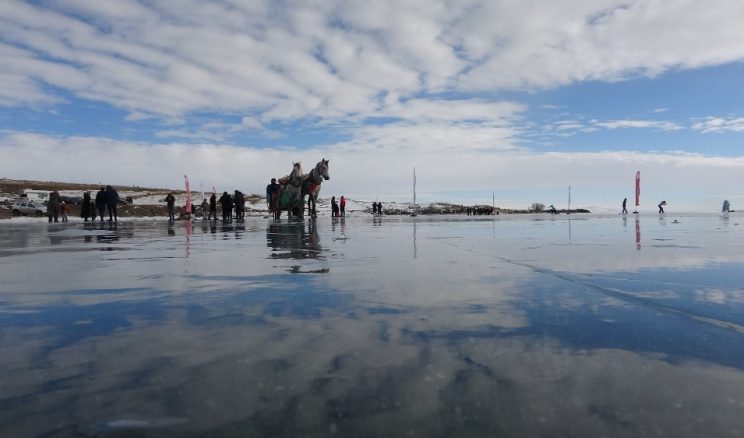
(518, 99)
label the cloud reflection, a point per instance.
(474, 336)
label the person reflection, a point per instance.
(226, 228)
(109, 237)
(291, 240)
(239, 230)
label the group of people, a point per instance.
(377, 208)
(479, 211)
(106, 198)
(625, 206)
(338, 209)
(228, 203)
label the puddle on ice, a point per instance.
(594, 326)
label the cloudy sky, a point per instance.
(519, 99)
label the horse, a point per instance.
(311, 185)
(289, 196)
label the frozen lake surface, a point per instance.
(513, 326)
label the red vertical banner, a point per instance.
(188, 195)
(638, 188)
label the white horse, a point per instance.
(311, 185)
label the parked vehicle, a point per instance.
(23, 206)
(72, 200)
(37, 196)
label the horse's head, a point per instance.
(295, 178)
(296, 169)
(323, 169)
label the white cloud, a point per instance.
(720, 124)
(653, 124)
(338, 60)
(379, 160)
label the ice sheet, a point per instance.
(522, 325)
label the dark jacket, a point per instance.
(239, 200)
(87, 209)
(112, 196)
(101, 198)
(226, 201)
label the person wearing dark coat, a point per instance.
(204, 208)
(101, 202)
(334, 207)
(53, 206)
(239, 204)
(112, 199)
(87, 209)
(226, 204)
(273, 191)
(212, 207)
(171, 201)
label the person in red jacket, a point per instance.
(342, 204)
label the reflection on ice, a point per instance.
(425, 326)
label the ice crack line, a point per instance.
(614, 293)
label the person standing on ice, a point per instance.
(239, 205)
(53, 206)
(63, 208)
(204, 208)
(342, 204)
(226, 206)
(625, 206)
(101, 202)
(112, 201)
(272, 195)
(661, 206)
(86, 209)
(212, 207)
(726, 207)
(171, 201)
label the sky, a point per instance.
(496, 99)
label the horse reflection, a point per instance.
(294, 240)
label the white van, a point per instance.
(40, 196)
